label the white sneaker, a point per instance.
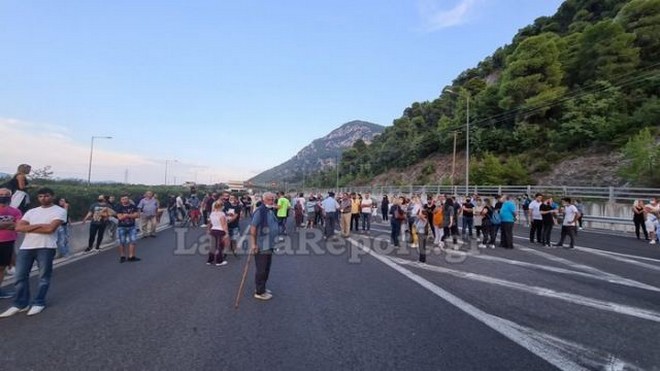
(203, 226)
(11, 311)
(264, 296)
(481, 245)
(414, 245)
(652, 242)
(36, 309)
(491, 246)
(224, 262)
(11, 271)
(460, 242)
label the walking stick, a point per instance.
(240, 288)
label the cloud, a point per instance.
(434, 18)
(43, 145)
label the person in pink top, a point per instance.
(9, 216)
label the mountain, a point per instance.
(321, 153)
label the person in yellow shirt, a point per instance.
(355, 211)
(283, 206)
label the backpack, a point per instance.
(438, 217)
(496, 218)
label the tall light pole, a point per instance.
(91, 154)
(166, 163)
(467, 138)
(337, 168)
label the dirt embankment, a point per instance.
(594, 169)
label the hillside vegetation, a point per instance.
(583, 80)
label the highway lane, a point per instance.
(337, 306)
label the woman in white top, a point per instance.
(217, 228)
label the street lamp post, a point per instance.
(467, 139)
(166, 163)
(91, 154)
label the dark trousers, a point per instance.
(217, 254)
(263, 261)
(422, 246)
(96, 232)
(281, 222)
(355, 222)
(396, 231)
(453, 232)
(385, 216)
(546, 233)
(638, 223)
(330, 219)
(567, 230)
(489, 234)
(494, 229)
(536, 229)
(507, 235)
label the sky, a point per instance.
(211, 91)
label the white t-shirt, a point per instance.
(569, 215)
(366, 205)
(535, 208)
(42, 215)
(216, 220)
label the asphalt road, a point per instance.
(351, 304)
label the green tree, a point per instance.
(533, 74)
(642, 153)
(487, 171)
(606, 52)
(593, 117)
(642, 18)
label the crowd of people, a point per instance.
(412, 220)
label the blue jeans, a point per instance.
(171, 212)
(366, 221)
(468, 222)
(63, 240)
(24, 261)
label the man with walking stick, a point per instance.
(263, 233)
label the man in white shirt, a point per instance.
(366, 206)
(40, 227)
(536, 217)
(568, 227)
(330, 207)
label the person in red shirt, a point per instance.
(9, 216)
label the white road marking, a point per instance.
(610, 279)
(590, 249)
(559, 353)
(540, 291)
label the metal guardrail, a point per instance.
(610, 194)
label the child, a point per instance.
(420, 225)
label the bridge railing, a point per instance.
(609, 194)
